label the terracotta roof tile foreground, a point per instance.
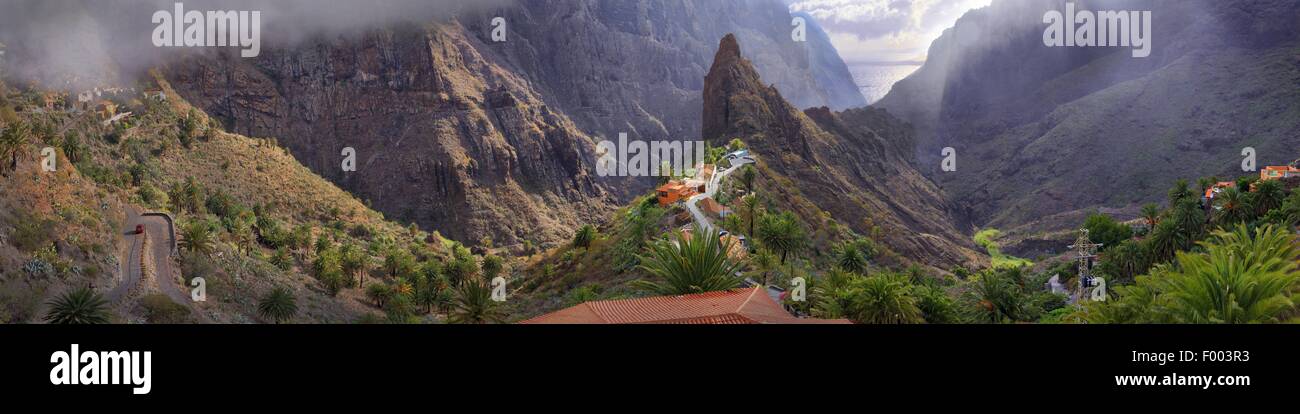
(737, 306)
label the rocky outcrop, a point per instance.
(854, 165)
(444, 136)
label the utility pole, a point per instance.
(1085, 251)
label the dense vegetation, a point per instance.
(1229, 261)
(250, 220)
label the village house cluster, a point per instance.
(105, 104)
(1269, 173)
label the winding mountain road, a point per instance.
(159, 232)
(711, 188)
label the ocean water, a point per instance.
(874, 80)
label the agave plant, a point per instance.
(81, 306)
(584, 236)
(697, 264)
(278, 306)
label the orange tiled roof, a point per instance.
(670, 186)
(676, 186)
(737, 306)
(1214, 189)
(711, 206)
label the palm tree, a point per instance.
(1166, 240)
(782, 233)
(1178, 192)
(701, 263)
(1190, 218)
(1233, 206)
(473, 304)
(999, 298)
(281, 259)
(196, 237)
(278, 306)
(1151, 213)
(81, 306)
(12, 140)
(935, 305)
(187, 196)
(355, 262)
(402, 287)
(462, 269)
(765, 261)
(585, 235)
(1128, 260)
(1268, 195)
(379, 293)
(885, 299)
(400, 309)
(242, 233)
(750, 202)
(747, 175)
(1243, 277)
(1204, 183)
(426, 293)
(399, 263)
(850, 259)
(491, 266)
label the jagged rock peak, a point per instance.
(728, 48)
(732, 91)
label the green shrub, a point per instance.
(161, 309)
(1105, 230)
(152, 196)
(281, 259)
(1055, 316)
(196, 265)
(31, 234)
(583, 294)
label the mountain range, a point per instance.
(495, 140)
(1044, 135)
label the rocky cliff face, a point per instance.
(1043, 131)
(478, 138)
(637, 66)
(444, 136)
(854, 165)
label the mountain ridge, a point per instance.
(1044, 131)
(608, 68)
(854, 166)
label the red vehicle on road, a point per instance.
(139, 229)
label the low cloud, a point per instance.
(884, 30)
(81, 43)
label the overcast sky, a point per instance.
(884, 30)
